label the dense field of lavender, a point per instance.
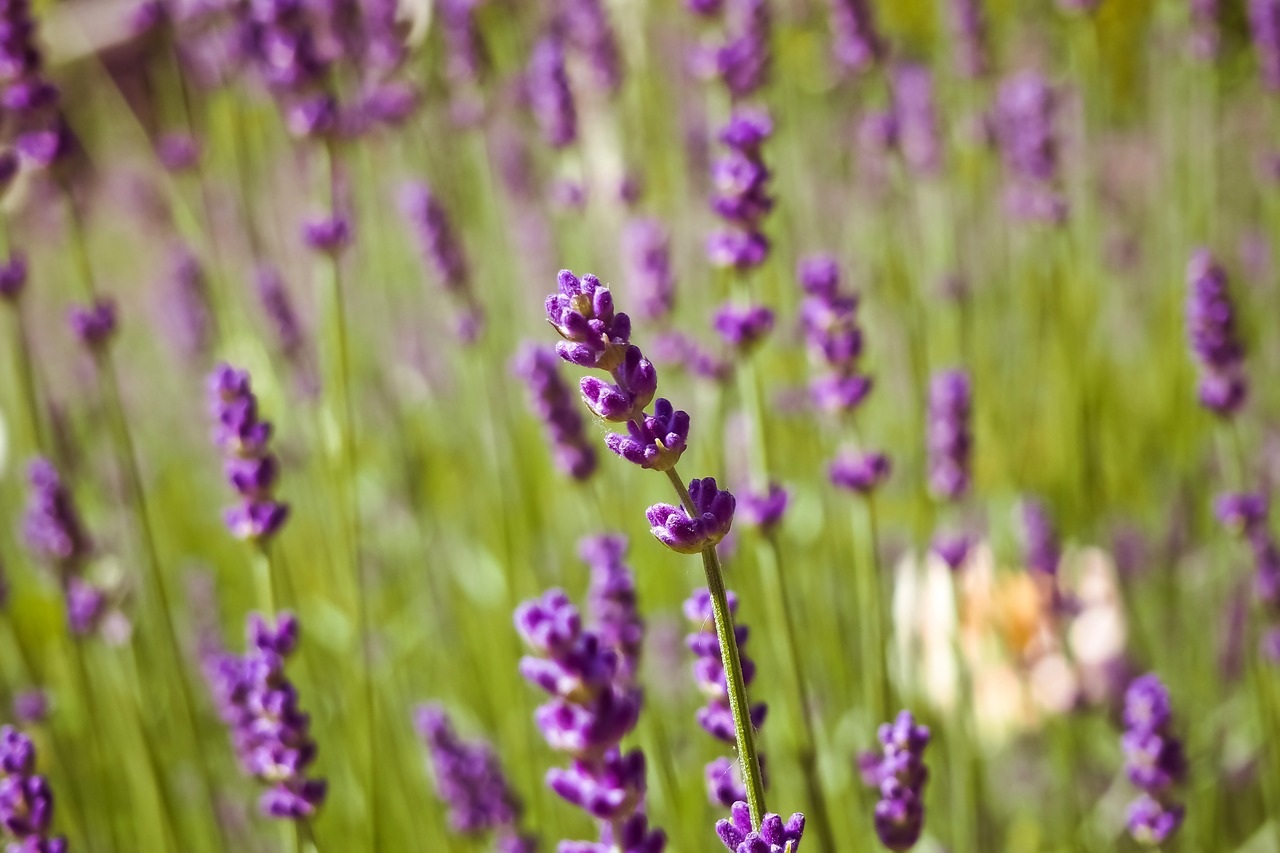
(407, 407)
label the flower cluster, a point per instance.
(611, 601)
(54, 532)
(773, 836)
(900, 774)
(280, 39)
(466, 58)
(1024, 128)
(590, 711)
(1154, 760)
(1264, 24)
(587, 30)
(30, 101)
(743, 60)
(93, 324)
(250, 466)
(470, 781)
(723, 783)
(690, 533)
(857, 45)
(26, 800)
(1211, 332)
(948, 435)
(829, 320)
(1040, 538)
(1246, 515)
(741, 197)
(193, 320)
(917, 118)
(552, 401)
(439, 243)
(546, 90)
(969, 35)
(742, 327)
(646, 248)
(270, 733)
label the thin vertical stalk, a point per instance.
(347, 465)
(739, 706)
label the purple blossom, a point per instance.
(829, 321)
(713, 516)
(740, 191)
(51, 525)
(1154, 760)
(13, 276)
(611, 601)
(93, 324)
(546, 88)
(653, 441)
(26, 799)
(582, 313)
(856, 43)
(1264, 24)
(427, 218)
(587, 29)
(1212, 335)
(952, 550)
(329, 234)
(948, 435)
(281, 41)
(1024, 117)
(763, 510)
(1242, 513)
(773, 836)
(900, 774)
(860, 472)
(31, 707)
(1040, 538)
(636, 383)
(552, 400)
(913, 104)
(742, 327)
(250, 467)
(743, 61)
(968, 24)
(178, 152)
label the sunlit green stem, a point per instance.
(739, 706)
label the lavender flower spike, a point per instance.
(1212, 335)
(551, 400)
(93, 324)
(900, 774)
(948, 435)
(612, 600)
(1043, 550)
(1264, 24)
(250, 466)
(969, 37)
(1154, 760)
(26, 800)
(773, 836)
(741, 196)
(582, 313)
(713, 516)
(548, 93)
(646, 246)
(857, 43)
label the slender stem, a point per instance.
(265, 579)
(739, 706)
(85, 688)
(348, 467)
(26, 377)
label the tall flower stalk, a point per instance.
(597, 337)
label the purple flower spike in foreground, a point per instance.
(900, 774)
(1212, 335)
(948, 435)
(657, 441)
(93, 324)
(26, 800)
(250, 467)
(1154, 761)
(860, 472)
(470, 781)
(712, 518)
(773, 836)
(582, 312)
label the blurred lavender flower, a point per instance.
(764, 510)
(742, 327)
(948, 435)
(553, 402)
(860, 472)
(743, 61)
(611, 601)
(440, 246)
(1024, 126)
(772, 836)
(31, 707)
(900, 774)
(51, 526)
(271, 734)
(646, 249)
(724, 784)
(1040, 538)
(968, 25)
(857, 45)
(917, 119)
(327, 233)
(1206, 36)
(1154, 760)
(546, 88)
(1212, 335)
(470, 781)
(29, 101)
(586, 28)
(250, 467)
(26, 799)
(829, 320)
(952, 550)
(1242, 513)
(281, 41)
(278, 307)
(93, 324)
(193, 324)
(178, 152)
(591, 710)
(13, 277)
(1264, 24)
(741, 195)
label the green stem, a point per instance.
(739, 706)
(26, 377)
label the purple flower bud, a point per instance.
(860, 472)
(900, 774)
(1151, 822)
(1242, 513)
(13, 276)
(743, 60)
(552, 401)
(647, 249)
(1154, 760)
(250, 467)
(1211, 332)
(819, 275)
(51, 525)
(952, 550)
(655, 442)
(764, 510)
(857, 44)
(773, 836)
(582, 312)
(178, 152)
(329, 234)
(86, 605)
(1024, 126)
(918, 137)
(430, 224)
(31, 707)
(741, 197)
(1043, 550)
(94, 324)
(468, 777)
(713, 516)
(743, 327)
(948, 436)
(1264, 24)
(26, 800)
